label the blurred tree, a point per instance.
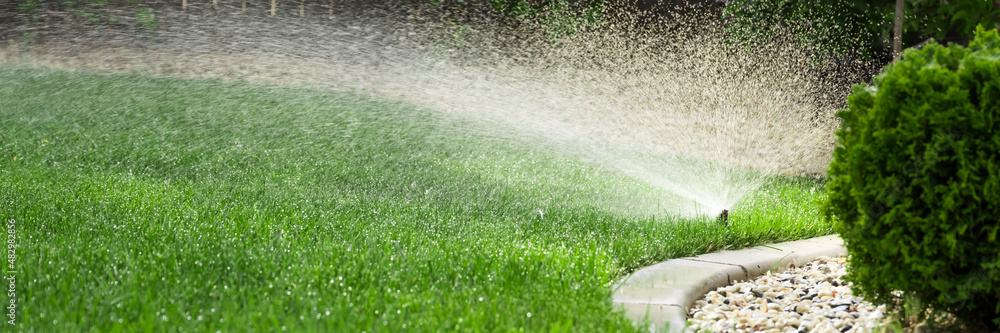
(558, 17)
(857, 27)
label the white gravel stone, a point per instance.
(812, 298)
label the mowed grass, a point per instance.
(148, 203)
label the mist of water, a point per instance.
(662, 99)
(705, 120)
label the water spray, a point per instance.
(704, 128)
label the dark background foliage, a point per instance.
(858, 28)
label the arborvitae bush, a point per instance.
(915, 181)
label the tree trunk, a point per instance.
(215, 5)
(897, 36)
(302, 9)
(331, 9)
(274, 3)
(184, 4)
(244, 6)
(996, 5)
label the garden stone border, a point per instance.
(662, 293)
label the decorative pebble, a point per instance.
(811, 298)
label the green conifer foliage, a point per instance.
(915, 180)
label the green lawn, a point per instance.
(148, 203)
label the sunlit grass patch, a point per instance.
(161, 203)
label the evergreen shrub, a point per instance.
(914, 184)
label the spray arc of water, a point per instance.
(666, 102)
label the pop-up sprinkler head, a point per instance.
(724, 217)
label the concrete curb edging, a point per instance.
(665, 291)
